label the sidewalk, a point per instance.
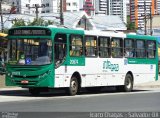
(2, 81)
(155, 84)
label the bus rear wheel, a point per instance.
(73, 89)
(128, 84)
(34, 91)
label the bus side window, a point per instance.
(129, 51)
(140, 49)
(76, 45)
(117, 47)
(104, 47)
(90, 46)
(151, 49)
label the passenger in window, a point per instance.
(129, 53)
(81, 52)
(22, 59)
(113, 53)
(90, 52)
(150, 54)
(113, 44)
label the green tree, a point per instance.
(130, 25)
(35, 22)
(18, 22)
(6, 30)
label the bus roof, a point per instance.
(148, 37)
(105, 33)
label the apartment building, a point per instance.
(112, 7)
(29, 6)
(157, 6)
(141, 10)
(128, 8)
(118, 8)
(44, 6)
(72, 5)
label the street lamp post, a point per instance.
(37, 6)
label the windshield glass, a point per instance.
(30, 51)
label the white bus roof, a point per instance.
(105, 33)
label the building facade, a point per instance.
(111, 7)
(118, 8)
(44, 6)
(72, 5)
(140, 11)
(157, 6)
(88, 7)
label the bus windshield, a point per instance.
(30, 51)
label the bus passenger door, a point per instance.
(60, 49)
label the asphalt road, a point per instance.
(58, 104)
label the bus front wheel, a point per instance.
(73, 89)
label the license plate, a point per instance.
(24, 82)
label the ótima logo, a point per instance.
(107, 65)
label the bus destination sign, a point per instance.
(30, 32)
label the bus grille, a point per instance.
(32, 80)
(27, 77)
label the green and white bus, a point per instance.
(42, 58)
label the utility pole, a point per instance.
(85, 22)
(37, 6)
(61, 13)
(151, 20)
(145, 19)
(2, 24)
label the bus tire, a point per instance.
(34, 91)
(128, 84)
(73, 89)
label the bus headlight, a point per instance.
(8, 74)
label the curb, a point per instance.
(147, 86)
(12, 88)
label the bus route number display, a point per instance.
(30, 32)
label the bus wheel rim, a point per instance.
(128, 83)
(73, 86)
